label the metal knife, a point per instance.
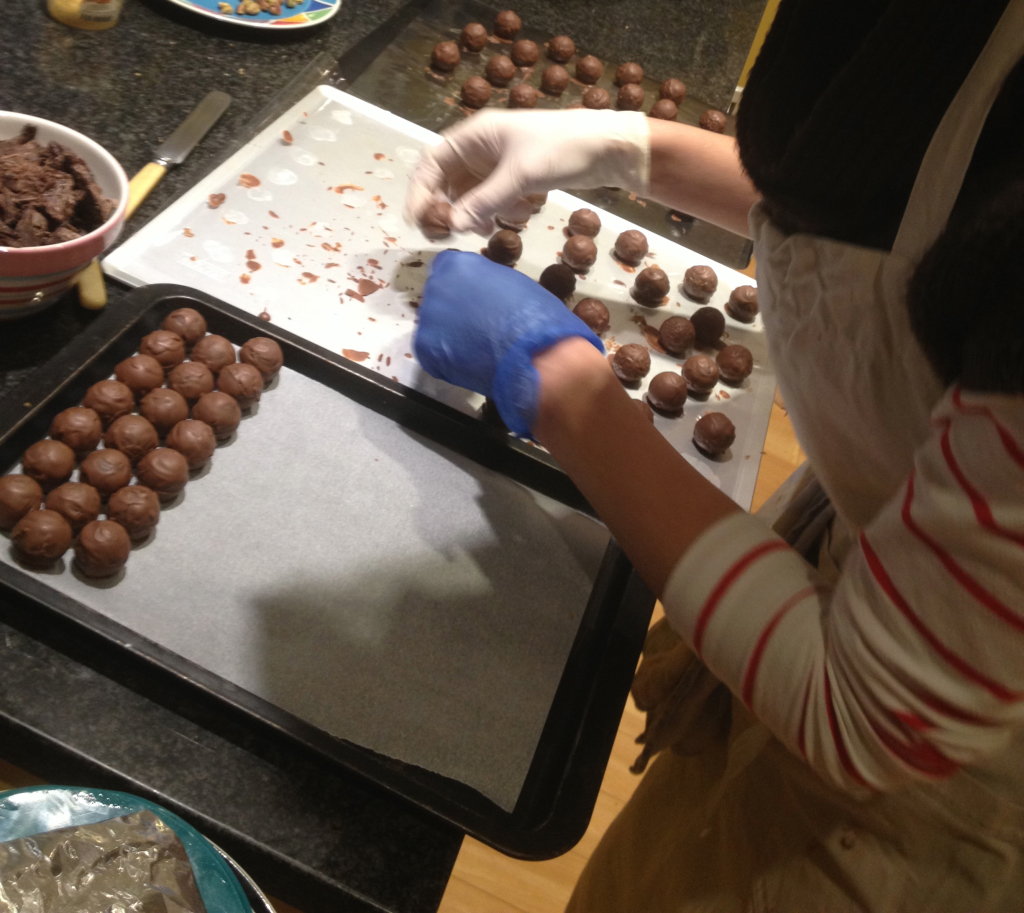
(92, 291)
(177, 147)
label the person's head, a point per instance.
(966, 297)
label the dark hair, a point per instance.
(966, 297)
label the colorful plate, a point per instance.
(305, 14)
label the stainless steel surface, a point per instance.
(182, 141)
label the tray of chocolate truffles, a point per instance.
(303, 228)
(294, 547)
(457, 57)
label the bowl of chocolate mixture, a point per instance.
(62, 204)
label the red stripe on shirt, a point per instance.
(801, 740)
(765, 548)
(754, 662)
(1012, 447)
(981, 509)
(917, 753)
(1000, 692)
(837, 736)
(976, 590)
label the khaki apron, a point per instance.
(736, 823)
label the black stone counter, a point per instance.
(315, 839)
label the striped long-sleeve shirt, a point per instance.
(912, 665)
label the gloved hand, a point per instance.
(481, 324)
(489, 163)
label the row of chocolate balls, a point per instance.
(131, 441)
(500, 71)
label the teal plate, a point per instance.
(307, 13)
(37, 809)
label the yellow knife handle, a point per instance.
(92, 290)
(140, 185)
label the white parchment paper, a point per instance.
(370, 582)
(325, 213)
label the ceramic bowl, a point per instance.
(31, 278)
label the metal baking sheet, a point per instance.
(340, 575)
(309, 235)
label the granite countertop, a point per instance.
(128, 88)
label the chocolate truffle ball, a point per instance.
(165, 408)
(166, 347)
(589, 69)
(714, 433)
(631, 247)
(505, 247)
(18, 495)
(191, 380)
(713, 120)
(596, 99)
(584, 222)
(140, 374)
(523, 96)
(476, 92)
(644, 410)
(701, 374)
(435, 223)
(651, 287)
(629, 74)
(76, 502)
(676, 335)
(133, 435)
(263, 354)
(188, 323)
(445, 56)
(525, 53)
(50, 463)
(537, 201)
(215, 352)
(699, 282)
(109, 399)
(220, 412)
(561, 48)
(735, 364)
(473, 37)
(708, 324)
(631, 362)
(664, 109)
(193, 440)
(674, 90)
(667, 392)
(79, 428)
(102, 548)
(41, 537)
(507, 24)
(579, 252)
(593, 313)
(631, 97)
(106, 470)
(164, 471)
(554, 79)
(243, 382)
(559, 279)
(742, 304)
(500, 70)
(136, 508)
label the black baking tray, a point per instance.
(389, 68)
(561, 787)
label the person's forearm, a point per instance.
(651, 499)
(699, 173)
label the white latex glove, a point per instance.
(488, 163)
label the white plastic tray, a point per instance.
(303, 221)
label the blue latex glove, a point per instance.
(481, 324)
